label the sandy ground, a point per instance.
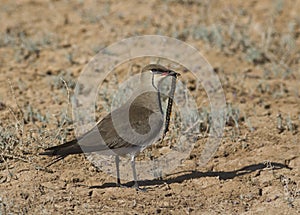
(253, 47)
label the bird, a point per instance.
(129, 129)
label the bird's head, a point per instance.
(154, 73)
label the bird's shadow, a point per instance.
(196, 174)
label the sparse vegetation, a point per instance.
(253, 47)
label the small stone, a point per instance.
(2, 106)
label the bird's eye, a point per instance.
(156, 71)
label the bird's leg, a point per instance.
(117, 159)
(136, 185)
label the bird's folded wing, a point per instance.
(114, 135)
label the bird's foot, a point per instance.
(135, 186)
(140, 189)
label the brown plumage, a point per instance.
(119, 133)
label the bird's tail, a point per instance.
(67, 148)
(62, 151)
(56, 160)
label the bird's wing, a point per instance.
(112, 131)
(111, 134)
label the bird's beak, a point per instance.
(172, 73)
(165, 72)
